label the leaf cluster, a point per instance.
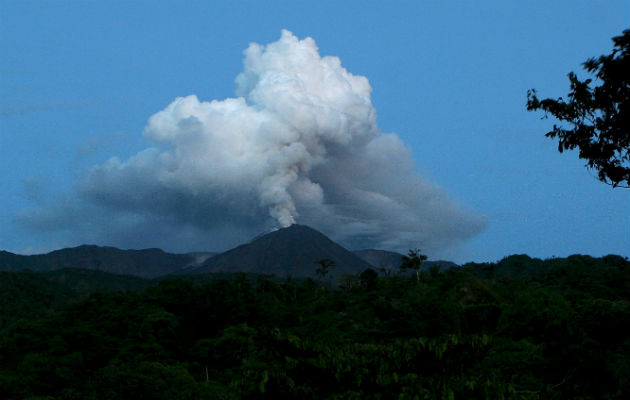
(595, 119)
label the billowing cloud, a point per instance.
(298, 143)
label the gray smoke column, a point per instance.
(299, 142)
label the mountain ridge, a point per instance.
(145, 263)
(291, 251)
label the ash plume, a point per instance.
(299, 142)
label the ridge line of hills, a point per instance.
(291, 251)
(287, 252)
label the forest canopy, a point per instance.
(521, 328)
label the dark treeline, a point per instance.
(520, 329)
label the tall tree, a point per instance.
(596, 119)
(413, 261)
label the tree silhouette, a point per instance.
(596, 119)
(324, 266)
(413, 261)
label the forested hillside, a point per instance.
(520, 329)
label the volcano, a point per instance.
(292, 251)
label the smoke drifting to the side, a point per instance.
(299, 142)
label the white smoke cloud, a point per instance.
(299, 143)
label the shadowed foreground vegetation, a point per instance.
(520, 329)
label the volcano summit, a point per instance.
(291, 251)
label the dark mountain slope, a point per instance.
(381, 259)
(291, 251)
(148, 263)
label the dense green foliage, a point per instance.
(522, 328)
(27, 295)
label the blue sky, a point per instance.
(80, 80)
